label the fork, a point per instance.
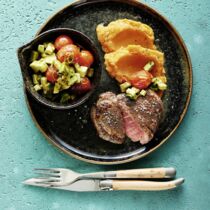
(61, 176)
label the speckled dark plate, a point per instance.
(72, 131)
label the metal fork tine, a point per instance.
(47, 174)
(49, 170)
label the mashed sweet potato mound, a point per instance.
(126, 62)
(124, 32)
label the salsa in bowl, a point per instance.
(60, 68)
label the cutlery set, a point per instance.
(134, 179)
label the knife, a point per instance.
(108, 185)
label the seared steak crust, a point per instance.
(108, 119)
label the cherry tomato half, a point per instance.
(62, 41)
(82, 87)
(69, 52)
(142, 80)
(86, 58)
(52, 74)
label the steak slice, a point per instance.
(107, 118)
(141, 117)
(149, 110)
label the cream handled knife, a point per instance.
(149, 173)
(108, 185)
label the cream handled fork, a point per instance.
(61, 176)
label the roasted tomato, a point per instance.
(52, 74)
(82, 87)
(86, 58)
(69, 53)
(142, 79)
(62, 41)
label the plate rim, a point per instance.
(188, 59)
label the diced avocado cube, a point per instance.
(43, 66)
(37, 87)
(64, 83)
(67, 82)
(57, 88)
(149, 66)
(57, 64)
(35, 79)
(78, 77)
(45, 44)
(143, 92)
(39, 65)
(72, 80)
(124, 86)
(65, 98)
(44, 55)
(62, 68)
(65, 86)
(158, 82)
(50, 49)
(34, 56)
(45, 85)
(41, 48)
(132, 93)
(77, 66)
(90, 72)
(82, 70)
(162, 86)
(46, 88)
(69, 70)
(44, 81)
(67, 77)
(49, 59)
(154, 80)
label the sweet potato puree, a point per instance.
(124, 32)
(131, 55)
(125, 63)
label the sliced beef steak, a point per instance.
(141, 117)
(108, 119)
(113, 116)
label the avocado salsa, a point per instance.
(61, 70)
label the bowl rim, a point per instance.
(41, 99)
(138, 4)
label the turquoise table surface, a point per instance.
(22, 146)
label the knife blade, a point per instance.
(80, 185)
(108, 185)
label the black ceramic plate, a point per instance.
(72, 130)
